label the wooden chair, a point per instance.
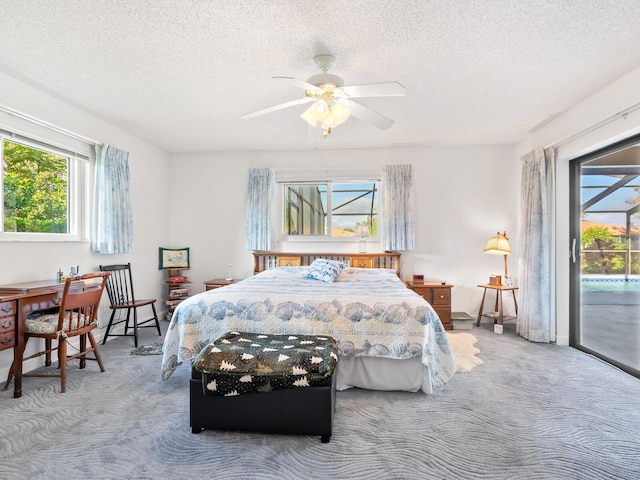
(77, 316)
(120, 291)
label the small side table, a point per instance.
(498, 314)
(217, 283)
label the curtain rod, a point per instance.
(24, 116)
(47, 145)
(605, 121)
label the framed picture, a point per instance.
(174, 258)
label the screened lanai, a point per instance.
(610, 215)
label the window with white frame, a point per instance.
(329, 209)
(43, 190)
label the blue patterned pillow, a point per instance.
(324, 270)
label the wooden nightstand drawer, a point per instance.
(441, 296)
(217, 283)
(423, 292)
(444, 313)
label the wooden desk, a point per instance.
(497, 315)
(16, 302)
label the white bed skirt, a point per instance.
(378, 373)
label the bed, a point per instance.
(389, 338)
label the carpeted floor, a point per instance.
(530, 411)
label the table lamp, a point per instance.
(363, 231)
(499, 245)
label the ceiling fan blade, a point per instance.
(367, 115)
(386, 89)
(299, 83)
(292, 103)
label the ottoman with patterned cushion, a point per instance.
(265, 383)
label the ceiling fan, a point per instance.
(332, 101)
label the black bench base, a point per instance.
(303, 411)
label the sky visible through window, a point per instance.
(620, 201)
(351, 203)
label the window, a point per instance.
(42, 191)
(330, 209)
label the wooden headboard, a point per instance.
(266, 260)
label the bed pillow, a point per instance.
(324, 270)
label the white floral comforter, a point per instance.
(368, 311)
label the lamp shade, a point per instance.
(339, 114)
(362, 231)
(498, 245)
(329, 114)
(308, 117)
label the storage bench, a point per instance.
(265, 383)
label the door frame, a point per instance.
(575, 251)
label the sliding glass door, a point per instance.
(605, 254)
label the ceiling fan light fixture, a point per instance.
(320, 110)
(331, 102)
(308, 117)
(326, 80)
(339, 114)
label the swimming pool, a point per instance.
(616, 283)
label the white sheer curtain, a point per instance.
(112, 222)
(260, 209)
(396, 208)
(536, 321)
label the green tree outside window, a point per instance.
(597, 243)
(35, 186)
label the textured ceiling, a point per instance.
(181, 73)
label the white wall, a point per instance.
(464, 195)
(22, 261)
(610, 115)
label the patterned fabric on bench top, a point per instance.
(240, 362)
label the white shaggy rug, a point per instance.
(463, 348)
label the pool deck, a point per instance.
(611, 325)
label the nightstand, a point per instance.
(497, 315)
(439, 296)
(217, 283)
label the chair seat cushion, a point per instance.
(47, 323)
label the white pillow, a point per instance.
(324, 270)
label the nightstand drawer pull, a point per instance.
(7, 324)
(6, 340)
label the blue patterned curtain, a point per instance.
(260, 209)
(397, 211)
(535, 317)
(112, 223)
